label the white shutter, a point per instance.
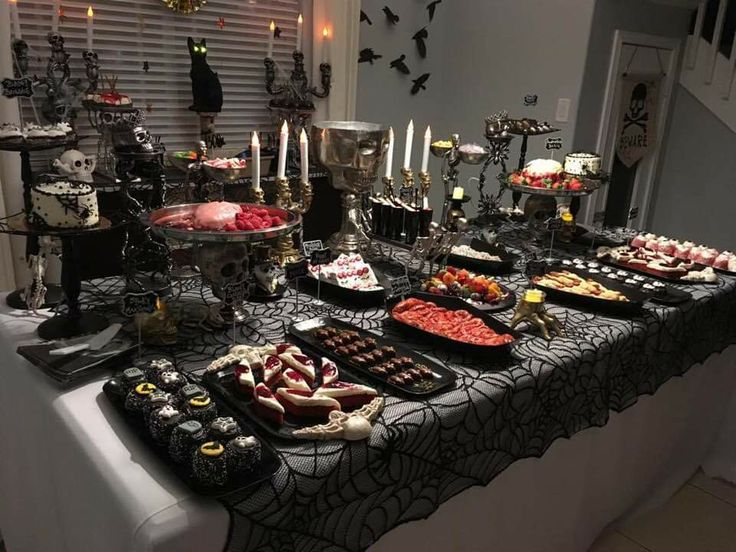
(129, 32)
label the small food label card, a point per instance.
(553, 143)
(309, 246)
(235, 293)
(297, 269)
(320, 256)
(133, 303)
(398, 286)
(12, 88)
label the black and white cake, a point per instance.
(63, 204)
(581, 163)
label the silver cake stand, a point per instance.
(222, 257)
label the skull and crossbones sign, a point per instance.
(637, 114)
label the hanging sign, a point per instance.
(638, 124)
(12, 88)
(133, 303)
(320, 256)
(297, 269)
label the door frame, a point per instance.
(606, 141)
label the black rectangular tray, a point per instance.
(222, 384)
(633, 306)
(75, 367)
(453, 303)
(443, 377)
(498, 306)
(270, 461)
(504, 266)
(638, 269)
(352, 296)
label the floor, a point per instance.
(701, 517)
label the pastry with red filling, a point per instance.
(349, 395)
(329, 371)
(294, 380)
(305, 404)
(244, 379)
(301, 363)
(272, 367)
(266, 405)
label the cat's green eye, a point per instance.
(196, 48)
(204, 49)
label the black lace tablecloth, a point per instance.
(344, 496)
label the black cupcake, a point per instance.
(171, 381)
(223, 429)
(162, 423)
(209, 464)
(157, 399)
(201, 408)
(243, 454)
(191, 390)
(185, 438)
(132, 377)
(157, 367)
(137, 399)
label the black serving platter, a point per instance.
(443, 377)
(504, 266)
(223, 385)
(454, 303)
(636, 298)
(506, 303)
(270, 461)
(665, 276)
(352, 296)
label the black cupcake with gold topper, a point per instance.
(137, 399)
(201, 408)
(209, 464)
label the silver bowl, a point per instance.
(439, 151)
(473, 158)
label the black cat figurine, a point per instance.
(206, 87)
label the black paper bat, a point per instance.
(419, 37)
(419, 83)
(399, 65)
(391, 16)
(364, 17)
(368, 55)
(431, 7)
(146, 67)
(277, 32)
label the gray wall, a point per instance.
(695, 193)
(484, 57)
(610, 15)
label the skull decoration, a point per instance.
(222, 264)
(351, 151)
(143, 137)
(132, 138)
(76, 166)
(266, 275)
(638, 100)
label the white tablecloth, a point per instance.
(73, 478)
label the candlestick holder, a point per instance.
(61, 90)
(388, 186)
(20, 58)
(425, 182)
(92, 70)
(531, 310)
(407, 184)
(255, 195)
(285, 251)
(450, 161)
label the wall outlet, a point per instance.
(563, 110)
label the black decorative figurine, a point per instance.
(206, 87)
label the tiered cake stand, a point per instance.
(25, 147)
(74, 321)
(222, 256)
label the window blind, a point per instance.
(128, 33)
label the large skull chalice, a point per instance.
(352, 152)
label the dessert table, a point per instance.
(75, 466)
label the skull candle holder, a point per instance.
(223, 265)
(352, 152)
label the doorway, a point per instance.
(625, 200)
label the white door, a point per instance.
(629, 191)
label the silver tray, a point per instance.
(293, 221)
(590, 187)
